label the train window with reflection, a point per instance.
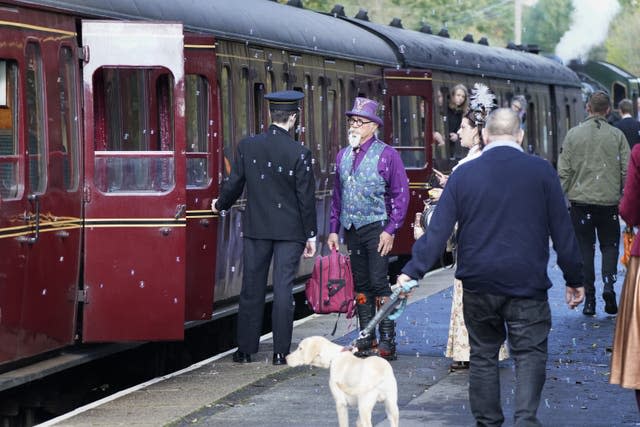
(227, 119)
(320, 122)
(408, 113)
(307, 112)
(35, 119)
(197, 125)
(133, 133)
(242, 104)
(258, 109)
(64, 153)
(331, 121)
(8, 130)
(440, 154)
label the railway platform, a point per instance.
(218, 392)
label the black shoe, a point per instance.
(240, 357)
(610, 306)
(589, 307)
(279, 359)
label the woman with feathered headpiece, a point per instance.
(482, 102)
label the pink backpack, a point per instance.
(330, 289)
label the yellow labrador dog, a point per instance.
(351, 380)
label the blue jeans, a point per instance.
(526, 322)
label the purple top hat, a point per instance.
(364, 107)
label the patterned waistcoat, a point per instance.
(363, 189)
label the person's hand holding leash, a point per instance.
(401, 280)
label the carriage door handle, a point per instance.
(180, 210)
(32, 239)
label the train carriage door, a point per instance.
(408, 128)
(135, 181)
(202, 135)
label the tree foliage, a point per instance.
(546, 22)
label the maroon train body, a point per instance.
(116, 123)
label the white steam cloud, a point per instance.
(590, 21)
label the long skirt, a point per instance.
(625, 362)
(458, 341)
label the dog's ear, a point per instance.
(309, 351)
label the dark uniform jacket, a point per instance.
(631, 129)
(280, 187)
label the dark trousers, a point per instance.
(257, 257)
(603, 220)
(369, 269)
(526, 322)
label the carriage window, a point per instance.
(8, 135)
(619, 92)
(242, 104)
(258, 110)
(35, 120)
(440, 155)
(307, 111)
(197, 124)
(64, 155)
(227, 120)
(331, 122)
(271, 82)
(318, 99)
(408, 129)
(531, 131)
(133, 131)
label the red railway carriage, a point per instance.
(117, 121)
(40, 182)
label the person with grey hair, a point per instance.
(507, 205)
(628, 125)
(592, 168)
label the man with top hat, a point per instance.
(279, 223)
(370, 199)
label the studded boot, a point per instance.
(387, 329)
(365, 305)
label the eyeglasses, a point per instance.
(356, 123)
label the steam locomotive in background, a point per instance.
(117, 120)
(601, 75)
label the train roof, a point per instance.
(253, 21)
(264, 22)
(421, 50)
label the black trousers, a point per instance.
(257, 257)
(526, 322)
(589, 220)
(369, 268)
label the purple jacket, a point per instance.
(391, 168)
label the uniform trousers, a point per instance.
(257, 256)
(369, 268)
(589, 220)
(526, 322)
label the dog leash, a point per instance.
(392, 309)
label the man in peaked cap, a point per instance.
(279, 222)
(370, 199)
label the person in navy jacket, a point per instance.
(279, 222)
(507, 204)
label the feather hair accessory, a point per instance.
(481, 102)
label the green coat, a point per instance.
(593, 163)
